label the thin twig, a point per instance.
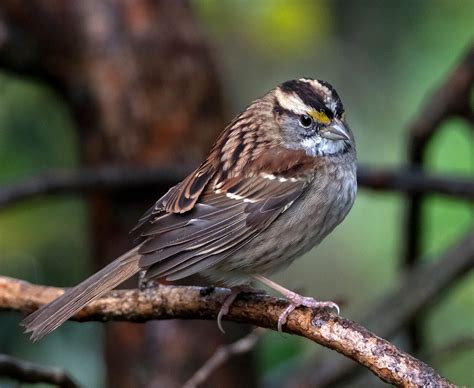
(160, 179)
(28, 372)
(222, 355)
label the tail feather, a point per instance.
(52, 315)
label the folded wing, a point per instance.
(232, 209)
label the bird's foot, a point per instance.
(234, 292)
(295, 300)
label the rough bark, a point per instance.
(417, 291)
(168, 302)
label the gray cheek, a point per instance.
(296, 137)
(292, 133)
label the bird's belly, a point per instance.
(304, 225)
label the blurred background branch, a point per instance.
(450, 350)
(224, 354)
(451, 99)
(22, 371)
(116, 178)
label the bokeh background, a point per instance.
(382, 57)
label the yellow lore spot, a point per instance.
(320, 117)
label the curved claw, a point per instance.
(306, 302)
(226, 306)
(284, 316)
(222, 312)
(219, 321)
(234, 292)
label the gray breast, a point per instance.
(322, 206)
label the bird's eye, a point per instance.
(306, 121)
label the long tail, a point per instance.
(52, 315)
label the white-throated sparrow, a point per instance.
(280, 177)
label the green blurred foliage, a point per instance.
(45, 240)
(383, 58)
(37, 134)
(291, 25)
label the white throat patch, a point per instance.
(319, 146)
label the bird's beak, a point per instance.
(335, 131)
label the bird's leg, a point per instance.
(234, 292)
(295, 300)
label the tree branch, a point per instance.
(330, 330)
(117, 178)
(171, 302)
(28, 372)
(417, 290)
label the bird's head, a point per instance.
(310, 116)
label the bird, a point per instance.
(279, 178)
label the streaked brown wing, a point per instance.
(179, 199)
(228, 215)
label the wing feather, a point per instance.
(229, 209)
(190, 243)
(183, 251)
(193, 259)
